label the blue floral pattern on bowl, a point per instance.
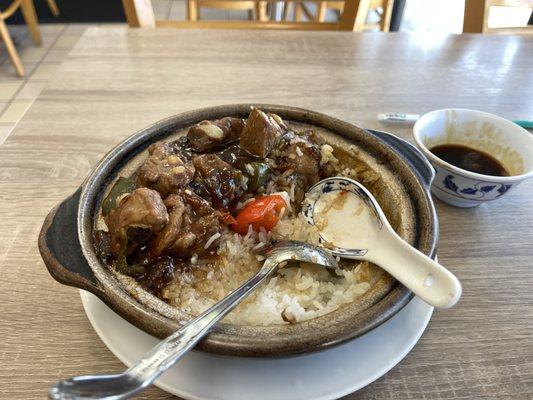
(478, 191)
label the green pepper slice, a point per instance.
(121, 187)
(261, 173)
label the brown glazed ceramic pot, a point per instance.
(65, 241)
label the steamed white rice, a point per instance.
(294, 294)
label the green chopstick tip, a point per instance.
(524, 123)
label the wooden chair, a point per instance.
(256, 9)
(140, 14)
(301, 9)
(28, 12)
(477, 15)
(53, 7)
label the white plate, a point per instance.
(326, 375)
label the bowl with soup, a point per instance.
(477, 156)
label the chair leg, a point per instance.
(321, 13)
(476, 16)
(260, 11)
(192, 10)
(286, 10)
(28, 12)
(11, 50)
(297, 12)
(363, 7)
(386, 15)
(263, 11)
(53, 7)
(139, 13)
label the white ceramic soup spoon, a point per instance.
(351, 223)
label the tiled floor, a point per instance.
(17, 94)
(40, 63)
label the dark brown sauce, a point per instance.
(470, 159)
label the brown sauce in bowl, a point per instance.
(470, 159)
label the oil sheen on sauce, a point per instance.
(469, 159)
(345, 221)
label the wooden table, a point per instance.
(116, 81)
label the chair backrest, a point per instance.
(477, 16)
(256, 10)
(140, 14)
(364, 7)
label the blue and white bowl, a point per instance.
(504, 140)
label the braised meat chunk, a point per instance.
(169, 235)
(300, 154)
(198, 204)
(158, 275)
(202, 229)
(192, 222)
(138, 215)
(208, 135)
(260, 133)
(236, 157)
(164, 171)
(220, 179)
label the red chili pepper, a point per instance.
(263, 212)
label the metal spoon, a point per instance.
(360, 231)
(170, 350)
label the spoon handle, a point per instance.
(426, 278)
(166, 353)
